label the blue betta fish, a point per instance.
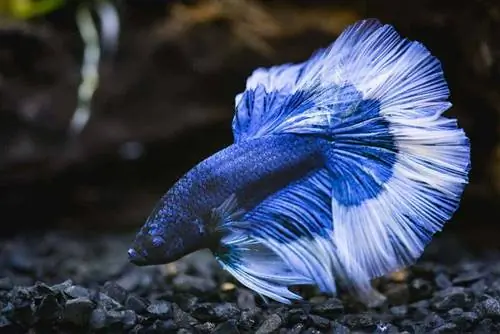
(341, 170)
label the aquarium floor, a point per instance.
(59, 282)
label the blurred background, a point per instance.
(104, 104)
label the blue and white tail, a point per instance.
(394, 172)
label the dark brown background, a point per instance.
(171, 87)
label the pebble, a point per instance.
(489, 308)
(494, 287)
(478, 288)
(228, 327)
(163, 326)
(136, 304)
(227, 286)
(218, 312)
(187, 283)
(78, 311)
(105, 301)
(226, 311)
(6, 283)
(399, 311)
(129, 319)
(455, 312)
(76, 291)
(204, 312)
(186, 301)
(296, 329)
(245, 299)
(421, 288)
(450, 298)
(8, 309)
(50, 308)
(330, 309)
(450, 328)
(432, 320)
(469, 266)
(114, 317)
(462, 319)
(486, 326)
(63, 286)
(338, 328)
(467, 277)
(442, 281)
(359, 321)
(130, 281)
(297, 315)
(21, 260)
(410, 326)
(421, 313)
(470, 317)
(41, 288)
(249, 318)
(115, 291)
(271, 324)
(386, 328)
(21, 309)
(206, 327)
(397, 293)
(6, 325)
(183, 319)
(420, 304)
(494, 267)
(319, 322)
(160, 309)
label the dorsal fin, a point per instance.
(304, 94)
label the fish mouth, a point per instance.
(136, 258)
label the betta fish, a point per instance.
(341, 171)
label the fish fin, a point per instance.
(301, 96)
(228, 211)
(261, 107)
(398, 167)
(248, 259)
(258, 267)
(286, 240)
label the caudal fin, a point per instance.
(395, 167)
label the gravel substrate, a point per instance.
(63, 283)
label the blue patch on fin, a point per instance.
(360, 170)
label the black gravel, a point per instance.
(62, 283)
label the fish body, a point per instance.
(342, 169)
(251, 170)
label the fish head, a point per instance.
(151, 248)
(165, 237)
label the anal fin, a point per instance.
(287, 240)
